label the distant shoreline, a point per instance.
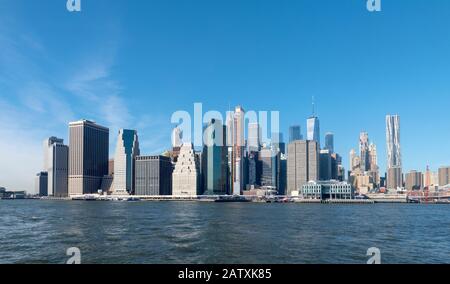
(241, 199)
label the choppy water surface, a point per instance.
(34, 231)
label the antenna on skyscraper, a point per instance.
(313, 107)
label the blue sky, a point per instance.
(132, 64)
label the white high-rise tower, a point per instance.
(185, 177)
(126, 151)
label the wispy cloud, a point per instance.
(39, 96)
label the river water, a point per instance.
(37, 231)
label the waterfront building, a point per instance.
(394, 178)
(56, 164)
(444, 176)
(88, 156)
(394, 158)
(254, 137)
(186, 177)
(107, 186)
(127, 149)
(430, 179)
(214, 159)
(41, 184)
(324, 190)
(153, 176)
(414, 180)
(295, 133)
(329, 142)
(302, 164)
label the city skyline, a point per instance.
(134, 76)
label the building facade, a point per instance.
(295, 133)
(127, 149)
(153, 176)
(254, 137)
(56, 164)
(324, 190)
(270, 168)
(88, 156)
(414, 181)
(329, 142)
(186, 177)
(444, 176)
(326, 165)
(302, 164)
(394, 162)
(313, 129)
(238, 151)
(41, 184)
(214, 159)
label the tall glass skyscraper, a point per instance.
(56, 164)
(215, 167)
(124, 161)
(313, 129)
(394, 162)
(88, 156)
(329, 142)
(238, 150)
(254, 137)
(364, 153)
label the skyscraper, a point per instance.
(41, 184)
(186, 177)
(88, 156)
(302, 164)
(177, 139)
(215, 167)
(313, 129)
(295, 133)
(444, 176)
(364, 151)
(414, 180)
(153, 175)
(313, 126)
(56, 164)
(326, 164)
(270, 167)
(254, 137)
(373, 158)
(394, 178)
(329, 142)
(237, 171)
(127, 149)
